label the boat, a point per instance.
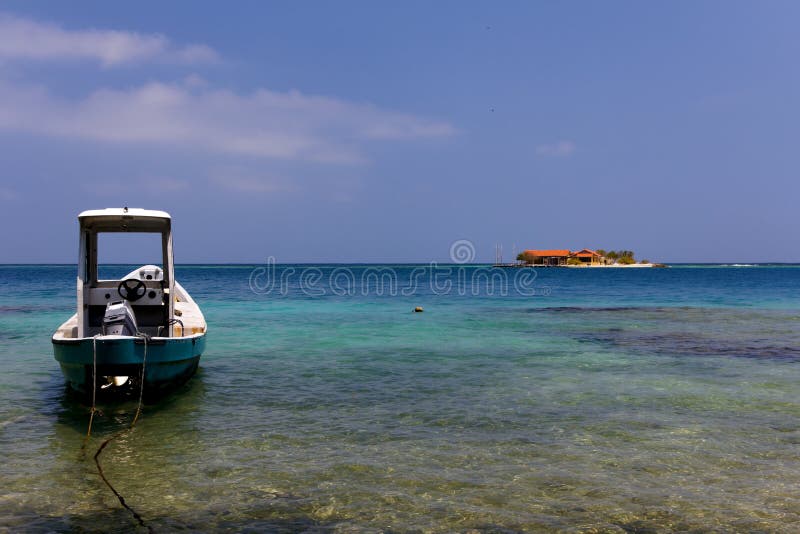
(141, 332)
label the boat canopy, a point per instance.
(125, 220)
(153, 312)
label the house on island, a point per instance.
(561, 257)
(589, 257)
(546, 257)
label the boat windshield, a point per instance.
(118, 253)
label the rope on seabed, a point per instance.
(103, 476)
(120, 433)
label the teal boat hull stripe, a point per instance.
(170, 361)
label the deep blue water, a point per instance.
(520, 400)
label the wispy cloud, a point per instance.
(560, 149)
(27, 39)
(264, 123)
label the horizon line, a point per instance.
(730, 262)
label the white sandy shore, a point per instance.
(613, 266)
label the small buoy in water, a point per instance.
(418, 309)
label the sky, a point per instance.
(385, 132)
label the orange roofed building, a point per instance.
(556, 257)
(547, 257)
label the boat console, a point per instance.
(144, 293)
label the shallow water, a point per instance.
(582, 400)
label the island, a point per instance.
(580, 258)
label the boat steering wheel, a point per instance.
(131, 289)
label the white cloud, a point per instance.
(27, 39)
(559, 149)
(264, 123)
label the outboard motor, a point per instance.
(119, 320)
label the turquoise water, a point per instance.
(581, 400)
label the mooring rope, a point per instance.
(145, 337)
(121, 432)
(94, 389)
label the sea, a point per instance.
(518, 400)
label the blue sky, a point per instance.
(378, 132)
